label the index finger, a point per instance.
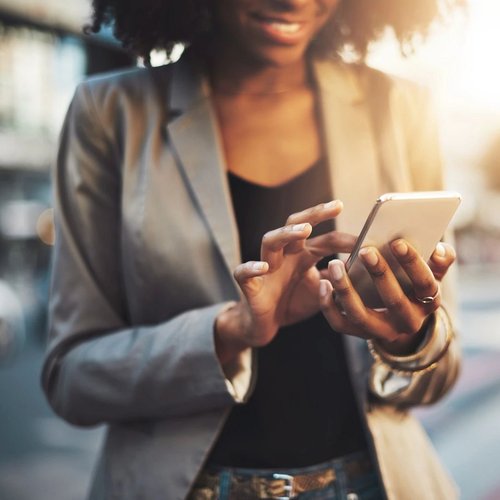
(317, 214)
(274, 242)
(314, 216)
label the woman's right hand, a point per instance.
(282, 288)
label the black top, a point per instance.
(302, 410)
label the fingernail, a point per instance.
(369, 256)
(299, 227)
(259, 266)
(333, 204)
(440, 250)
(323, 288)
(400, 247)
(337, 270)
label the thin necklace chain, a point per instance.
(257, 94)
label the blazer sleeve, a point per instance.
(99, 367)
(396, 381)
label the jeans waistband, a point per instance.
(282, 483)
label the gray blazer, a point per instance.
(145, 248)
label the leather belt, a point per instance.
(272, 485)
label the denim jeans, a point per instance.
(345, 487)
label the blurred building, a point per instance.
(43, 56)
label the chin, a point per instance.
(279, 56)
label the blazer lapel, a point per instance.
(194, 137)
(353, 161)
(349, 141)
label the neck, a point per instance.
(232, 74)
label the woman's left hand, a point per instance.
(396, 326)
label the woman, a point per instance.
(171, 181)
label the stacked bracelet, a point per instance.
(408, 365)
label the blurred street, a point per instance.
(43, 458)
(464, 427)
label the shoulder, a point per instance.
(132, 85)
(116, 103)
(407, 104)
(358, 82)
(402, 96)
(354, 82)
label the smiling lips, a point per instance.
(284, 27)
(279, 30)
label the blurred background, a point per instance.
(43, 55)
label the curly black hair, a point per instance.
(160, 24)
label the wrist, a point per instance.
(229, 332)
(433, 348)
(405, 345)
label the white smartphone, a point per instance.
(421, 218)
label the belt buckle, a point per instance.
(288, 487)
